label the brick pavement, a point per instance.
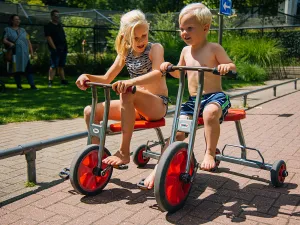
(234, 194)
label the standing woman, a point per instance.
(16, 38)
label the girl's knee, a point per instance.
(87, 111)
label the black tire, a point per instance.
(278, 173)
(138, 156)
(82, 169)
(171, 192)
(2, 87)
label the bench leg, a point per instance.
(241, 138)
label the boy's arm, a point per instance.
(225, 63)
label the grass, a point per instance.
(63, 102)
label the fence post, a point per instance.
(245, 101)
(274, 91)
(296, 84)
(31, 171)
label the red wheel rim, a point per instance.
(280, 173)
(87, 180)
(175, 189)
(140, 157)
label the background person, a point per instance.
(16, 39)
(57, 44)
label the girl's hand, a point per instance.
(223, 68)
(122, 85)
(80, 81)
(164, 67)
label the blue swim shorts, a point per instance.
(220, 98)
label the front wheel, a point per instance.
(170, 189)
(82, 175)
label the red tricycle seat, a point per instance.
(140, 124)
(232, 115)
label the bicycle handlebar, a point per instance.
(88, 83)
(172, 68)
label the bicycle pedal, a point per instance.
(121, 167)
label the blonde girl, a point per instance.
(142, 60)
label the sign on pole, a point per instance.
(225, 7)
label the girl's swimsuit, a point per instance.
(141, 65)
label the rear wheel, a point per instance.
(170, 189)
(278, 173)
(138, 158)
(82, 175)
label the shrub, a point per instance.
(251, 72)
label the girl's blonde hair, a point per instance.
(125, 36)
(203, 14)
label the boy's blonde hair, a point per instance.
(203, 14)
(125, 36)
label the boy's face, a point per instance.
(191, 31)
(140, 39)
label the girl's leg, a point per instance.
(141, 102)
(211, 116)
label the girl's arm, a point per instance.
(181, 62)
(156, 55)
(109, 76)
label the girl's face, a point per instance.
(16, 21)
(140, 38)
(191, 31)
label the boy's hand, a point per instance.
(80, 81)
(164, 67)
(122, 85)
(223, 69)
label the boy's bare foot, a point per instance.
(149, 181)
(117, 159)
(208, 162)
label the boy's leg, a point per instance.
(211, 117)
(131, 106)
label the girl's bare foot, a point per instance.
(208, 162)
(117, 159)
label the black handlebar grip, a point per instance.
(230, 73)
(170, 69)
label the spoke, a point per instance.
(93, 159)
(84, 170)
(90, 182)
